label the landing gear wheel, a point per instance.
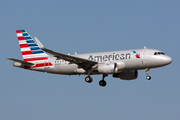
(147, 73)
(148, 77)
(102, 83)
(88, 79)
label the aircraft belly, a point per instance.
(66, 69)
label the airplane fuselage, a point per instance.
(125, 59)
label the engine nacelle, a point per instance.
(79, 70)
(107, 68)
(127, 75)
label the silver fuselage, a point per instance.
(125, 59)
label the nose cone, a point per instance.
(167, 60)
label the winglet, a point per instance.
(39, 43)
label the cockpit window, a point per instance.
(159, 53)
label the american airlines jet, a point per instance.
(122, 64)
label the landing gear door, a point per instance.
(144, 57)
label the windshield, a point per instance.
(159, 53)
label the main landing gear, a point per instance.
(147, 72)
(88, 79)
(102, 82)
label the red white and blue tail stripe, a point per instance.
(30, 50)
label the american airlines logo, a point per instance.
(136, 54)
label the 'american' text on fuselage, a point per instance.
(112, 57)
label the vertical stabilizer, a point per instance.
(29, 49)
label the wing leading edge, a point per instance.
(71, 59)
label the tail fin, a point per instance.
(29, 49)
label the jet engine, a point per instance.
(127, 75)
(107, 68)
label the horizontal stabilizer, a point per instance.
(20, 61)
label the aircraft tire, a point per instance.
(88, 79)
(102, 83)
(148, 77)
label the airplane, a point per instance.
(122, 64)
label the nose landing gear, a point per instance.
(147, 72)
(148, 77)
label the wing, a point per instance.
(71, 59)
(20, 61)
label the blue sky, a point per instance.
(90, 26)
